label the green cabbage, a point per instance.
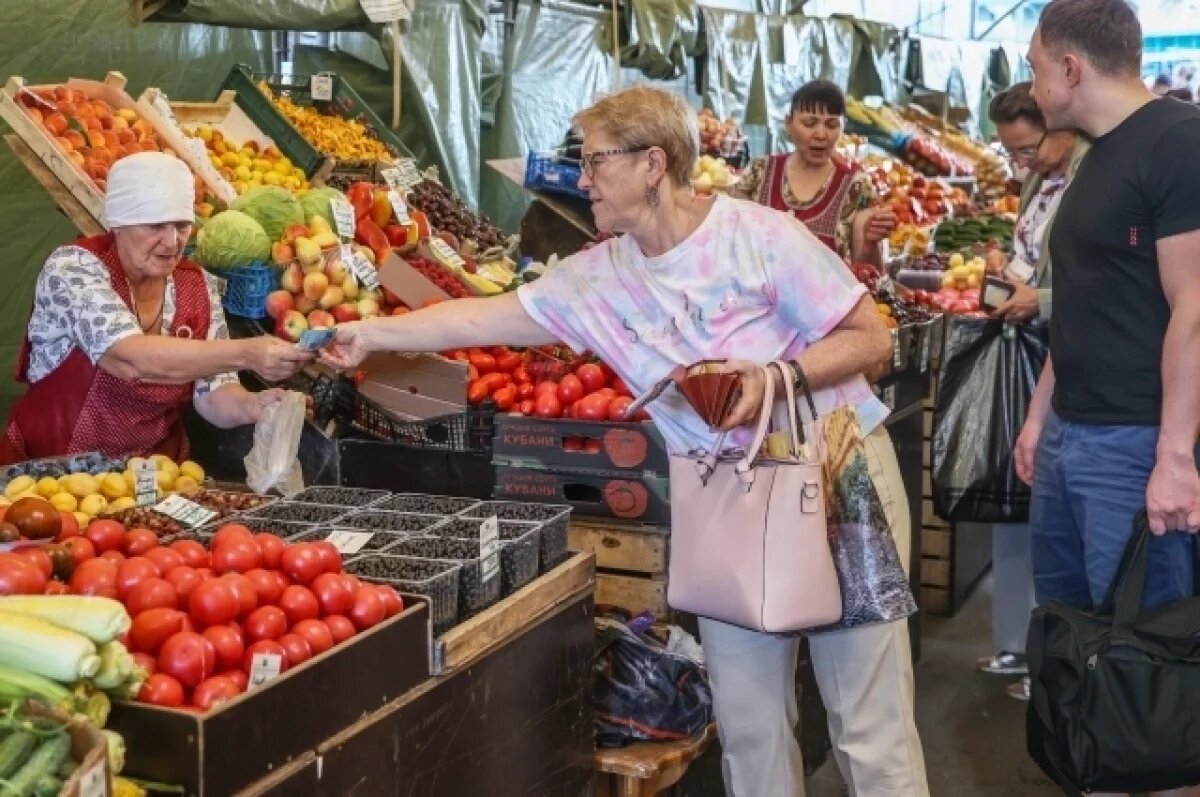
(272, 207)
(316, 203)
(231, 239)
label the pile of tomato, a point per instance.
(523, 384)
(201, 614)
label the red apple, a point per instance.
(291, 325)
(292, 279)
(320, 319)
(315, 285)
(345, 312)
(305, 305)
(332, 297)
(279, 302)
(282, 253)
(294, 231)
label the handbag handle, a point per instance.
(795, 430)
(745, 467)
(1124, 600)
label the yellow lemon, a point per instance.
(205, 133)
(230, 159)
(47, 486)
(171, 468)
(19, 485)
(82, 518)
(242, 172)
(82, 485)
(113, 486)
(130, 480)
(165, 479)
(159, 459)
(272, 178)
(193, 469)
(245, 160)
(186, 485)
(134, 463)
(121, 504)
(64, 502)
(93, 505)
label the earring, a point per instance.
(652, 198)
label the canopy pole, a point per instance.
(397, 65)
(616, 45)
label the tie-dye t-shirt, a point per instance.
(750, 283)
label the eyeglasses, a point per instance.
(589, 160)
(1026, 154)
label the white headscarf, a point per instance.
(149, 188)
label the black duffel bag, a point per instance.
(1115, 698)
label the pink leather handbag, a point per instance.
(748, 536)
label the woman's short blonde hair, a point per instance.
(642, 116)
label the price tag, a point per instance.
(889, 397)
(407, 174)
(93, 783)
(442, 251)
(349, 542)
(343, 217)
(321, 87)
(264, 667)
(399, 207)
(361, 268)
(391, 176)
(145, 483)
(189, 513)
(489, 547)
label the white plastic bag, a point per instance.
(272, 461)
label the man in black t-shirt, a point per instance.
(1113, 423)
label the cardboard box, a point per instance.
(409, 285)
(415, 387)
(540, 443)
(89, 749)
(630, 496)
(218, 753)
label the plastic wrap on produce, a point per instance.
(733, 65)
(656, 36)
(308, 15)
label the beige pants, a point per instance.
(864, 675)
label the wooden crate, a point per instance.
(631, 562)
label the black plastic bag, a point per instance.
(643, 692)
(989, 370)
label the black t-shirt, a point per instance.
(1139, 183)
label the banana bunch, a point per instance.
(883, 118)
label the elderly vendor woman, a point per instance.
(125, 332)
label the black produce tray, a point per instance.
(555, 520)
(437, 581)
(474, 595)
(519, 545)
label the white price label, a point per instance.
(264, 667)
(189, 513)
(349, 542)
(361, 268)
(489, 547)
(391, 176)
(343, 217)
(94, 783)
(407, 174)
(399, 207)
(442, 251)
(321, 87)
(145, 483)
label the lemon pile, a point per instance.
(247, 167)
(88, 496)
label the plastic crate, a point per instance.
(381, 539)
(555, 519)
(549, 171)
(519, 544)
(290, 512)
(425, 504)
(279, 528)
(474, 594)
(397, 522)
(263, 113)
(339, 496)
(470, 430)
(247, 288)
(437, 581)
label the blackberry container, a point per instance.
(281, 528)
(519, 544)
(402, 522)
(291, 512)
(474, 594)
(339, 496)
(425, 504)
(437, 581)
(381, 539)
(554, 518)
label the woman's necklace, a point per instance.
(156, 322)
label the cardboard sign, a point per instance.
(347, 541)
(343, 217)
(362, 269)
(321, 87)
(189, 513)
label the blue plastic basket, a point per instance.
(547, 172)
(246, 289)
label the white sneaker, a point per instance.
(1004, 663)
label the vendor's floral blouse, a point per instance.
(860, 195)
(75, 306)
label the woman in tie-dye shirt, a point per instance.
(691, 279)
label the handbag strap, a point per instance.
(795, 429)
(745, 467)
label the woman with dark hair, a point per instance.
(831, 195)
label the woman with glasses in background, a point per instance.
(1051, 159)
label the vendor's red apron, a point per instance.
(80, 407)
(822, 216)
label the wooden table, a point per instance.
(647, 768)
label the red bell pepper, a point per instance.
(381, 207)
(362, 197)
(368, 234)
(397, 235)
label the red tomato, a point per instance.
(266, 622)
(243, 589)
(94, 577)
(594, 407)
(298, 603)
(165, 558)
(572, 444)
(521, 376)
(193, 553)
(545, 387)
(340, 628)
(212, 692)
(527, 407)
(592, 376)
(508, 362)
(230, 532)
(591, 445)
(132, 572)
(524, 391)
(476, 392)
(391, 599)
(484, 363)
(35, 555)
(236, 557)
(334, 593)
(138, 541)
(570, 389)
(505, 397)
(369, 608)
(153, 593)
(56, 588)
(153, 627)
(316, 633)
(228, 644)
(205, 573)
(267, 647)
(106, 535)
(302, 562)
(297, 648)
(266, 585)
(547, 405)
(573, 411)
(271, 548)
(213, 602)
(184, 579)
(618, 384)
(81, 548)
(145, 662)
(331, 560)
(116, 557)
(238, 676)
(187, 657)
(161, 689)
(70, 527)
(617, 407)
(493, 382)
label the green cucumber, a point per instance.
(15, 748)
(45, 760)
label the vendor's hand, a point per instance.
(275, 360)
(1025, 451)
(879, 225)
(753, 390)
(1173, 495)
(996, 263)
(1021, 306)
(257, 404)
(348, 348)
